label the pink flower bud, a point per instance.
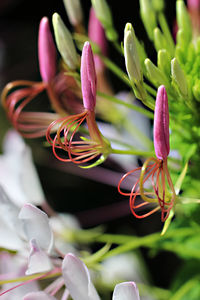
(161, 124)
(96, 34)
(46, 51)
(88, 77)
(193, 4)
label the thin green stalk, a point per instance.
(139, 109)
(133, 152)
(185, 288)
(159, 293)
(149, 89)
(118, 47)
(116, 70)
(134, 244)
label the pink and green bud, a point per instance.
(74, 11)
(161, 124)
(96, 34)
(88, 78)
(46, 51)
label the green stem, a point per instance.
(149, 89)
(139, 109)
(116, 70)
(185, 288)
(134, 244)
(165, 28)
(133, 152)
(159, 293)
(118, 47)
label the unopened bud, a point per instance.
(96, 34)
(104, 15)
(148, 17)
(88, 77)
(179, 77)
(158, 5)
(65, 42)
(46, 51)
(155, 74)
(132, 60)
(159, 39)
(164, 62)
(183, 20)
(193, 4)
(74, 11)
(161, 124)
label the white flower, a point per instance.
(126, 291)
(123, 267)
(78, 282)
(18, 175)
(38, 296)
(31, 227)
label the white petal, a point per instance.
(77, 279)
(123, 267)
(38, 296)
(13, 267)
(36, 226)
(38, 260)
(9, 239)
(126, 291)
(9, 213)
(30, 181)
(22, 174)
(13, 143)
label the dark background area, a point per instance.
(64, 189)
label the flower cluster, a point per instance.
(151, 133)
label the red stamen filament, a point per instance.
(159, 175)
(78, 151)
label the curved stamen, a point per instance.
(126, 175)
(78, 151)
(155, 166)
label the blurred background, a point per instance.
(92, 194)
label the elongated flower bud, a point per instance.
(179, 77)
(104, 15)
(132, 60)
(46, 51)
(158, 5)
(154, 73)
(161, 124)
(96, 34)
(193, 4)
(159, 39)
(65, 42)
(148, 17)
(183, 20)
(164, 63)
(88, 77)
(74, 11)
